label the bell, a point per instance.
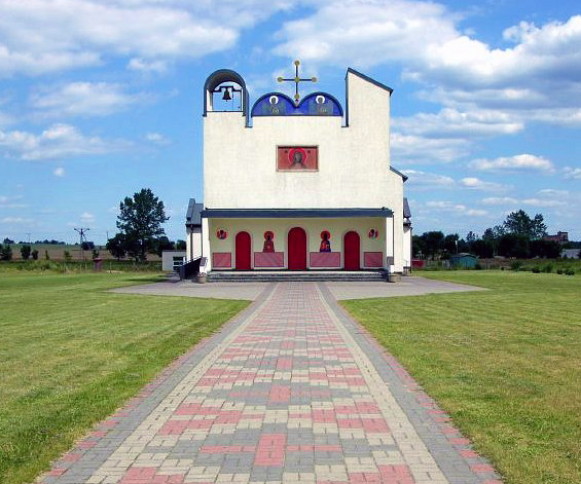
(226, 96)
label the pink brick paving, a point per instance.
(290, 393)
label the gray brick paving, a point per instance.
(291, 390)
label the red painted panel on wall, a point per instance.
(243, 251)
(269, 259)
(373, 259)
(222, 260)
(297, 249)
(325, 259)
(298, 158)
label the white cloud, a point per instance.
(83, 99)
(477, 184)
(157, 138)
(145, 66)
(37, 36)
(418, 149)
(453, 123)
(517, 162)
(11, 202)
(535, 78)
(573, 173)
(552, 192)
(60, 172)
(421, 180)
(538, 202)
(500, 201)
(366, 33)
(456, 208)
(87, 218)
(57, 141)
(16, 220)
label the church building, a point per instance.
(299, 184)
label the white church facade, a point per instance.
(303, 185)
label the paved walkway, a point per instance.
(409, 286)
(291, 390)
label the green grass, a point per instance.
(71, 353)
(506, 364)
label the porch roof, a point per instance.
(295, 212)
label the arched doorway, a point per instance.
(352, 250)
(243, 251)
(297, 249)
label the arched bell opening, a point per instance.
(225, 91)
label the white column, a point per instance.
(388, 241)
(206, 249)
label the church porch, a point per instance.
(348, 240)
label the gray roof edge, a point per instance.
(194, 213)
(397, 172)
(407, 213)
(296, 212)
(350, 70)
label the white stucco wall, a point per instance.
(167, 258)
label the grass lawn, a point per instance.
(71, 353)
(506, 364)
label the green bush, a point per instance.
(516, 265)
(548, 268)
(536, 270)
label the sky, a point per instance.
(101, 98)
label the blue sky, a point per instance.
(99, 99)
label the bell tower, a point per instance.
(225, 91)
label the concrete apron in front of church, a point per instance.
(292, 390)
(277, 244)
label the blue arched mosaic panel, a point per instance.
(315, 104)
(320, 104)
(273, 104)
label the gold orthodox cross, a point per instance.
(296, 80)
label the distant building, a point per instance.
(561, 237)
(464, 261)
(570, 253)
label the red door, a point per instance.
(297, 249)
(243, 251)
(351, 246)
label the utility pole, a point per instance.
(82, 231)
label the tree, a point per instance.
(161, 244)
(519, 223)
(116, 246)
(25, 251)
(482, 248)
(514, 245)
(547, 249)
(433, 243)
(5, 252)
(451, 243)
(140, 220)
(34, 254)
(180, 244)
(418, 246)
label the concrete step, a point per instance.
(281, 276)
